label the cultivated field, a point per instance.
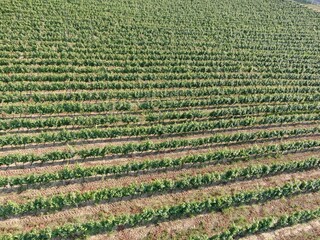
(167, 119)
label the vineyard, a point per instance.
(168, 119)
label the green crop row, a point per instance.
(219, 156)
(199, 83)
(157, 130)
(147, 216)
(57, 121)
(74, 199)
(140, 94)
(264, 225)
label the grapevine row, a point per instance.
(76, 107)
(167, 163)
(60, 201)
(77, 121)
(110, 119)
(54, 86)
(147, 216)
(157, 130)
(233, 66)
(106, 56)
(150, 66)
(240, 111)
(154, 76)
(139, 94)
(265, 225)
